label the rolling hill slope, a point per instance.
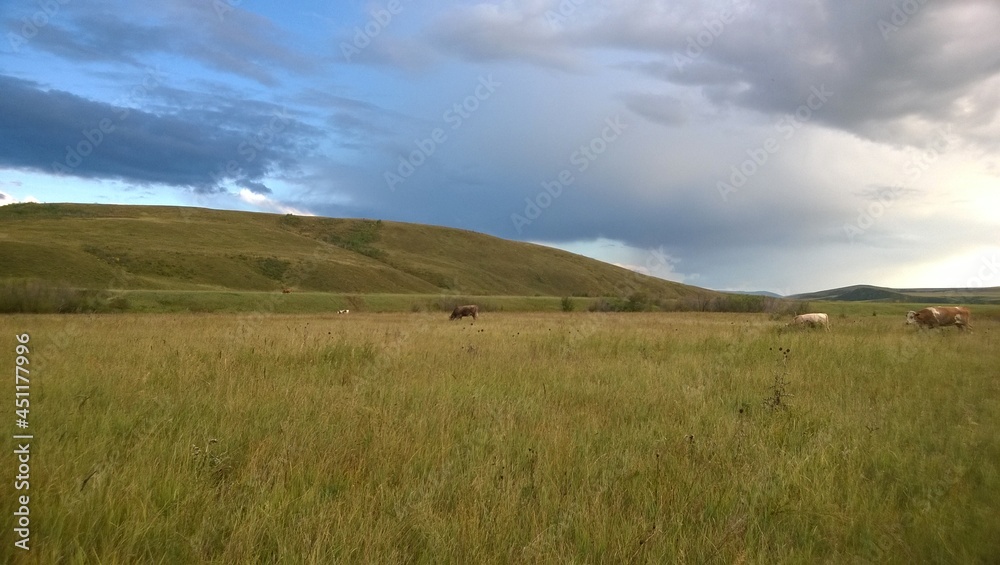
(173, 248)
(867, 293)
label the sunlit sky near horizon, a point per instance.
(734, 145)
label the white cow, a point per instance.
(812, 320)
(343, 311)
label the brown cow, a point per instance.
(286, 291)
(462, 311)
(941, 316)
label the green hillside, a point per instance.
(182, 249)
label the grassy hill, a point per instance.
(193, 249)
(866, 293)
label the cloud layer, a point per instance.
(759, 144)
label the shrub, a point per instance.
(272, 267)
(359, 239)
(290, 220)
(776, 307)
(37, 297)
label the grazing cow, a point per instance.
(286, 291)
(812, 320)
(941, 316)
(462, 311)
(343, 311)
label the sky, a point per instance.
(734, 145)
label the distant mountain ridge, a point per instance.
(869, 293)
(766, 293)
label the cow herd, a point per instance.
(931, 317)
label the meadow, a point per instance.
(525, 437)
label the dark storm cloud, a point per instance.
(686, 219)
(887, 63)
(881, 74)
(217, 35)
(55, 131)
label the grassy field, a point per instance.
(526, 437)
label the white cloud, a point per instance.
(268, 204)
(7, 198)
(653, 262)
(978, 267)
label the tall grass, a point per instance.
(556, 437)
